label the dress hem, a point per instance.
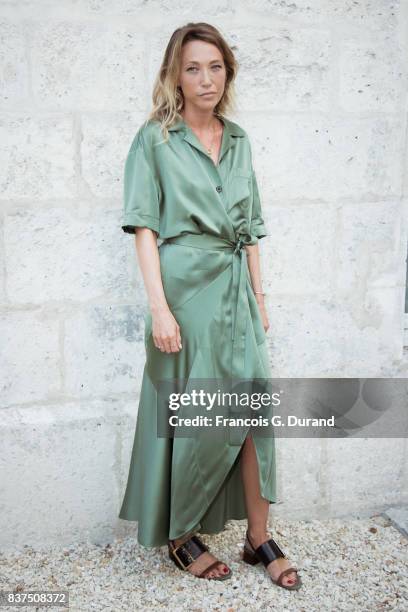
(238, 516)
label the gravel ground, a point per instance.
(345, 564)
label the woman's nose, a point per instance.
(206, 77)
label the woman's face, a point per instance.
(202, 71)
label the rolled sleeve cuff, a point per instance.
(258, 229)
(133, 220)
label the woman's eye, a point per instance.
(195, 68)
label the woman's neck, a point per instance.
(199, 122)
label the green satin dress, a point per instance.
(205, 214)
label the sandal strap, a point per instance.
(185, 554)
(284, 573)
(269, 551)
(209, 568)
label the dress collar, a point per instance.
(229, 136)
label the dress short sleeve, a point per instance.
(258, 228)
(141, 205)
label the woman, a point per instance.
(189, 180)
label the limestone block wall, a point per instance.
(322, 91)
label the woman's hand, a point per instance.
(166, 331)
(262, 310)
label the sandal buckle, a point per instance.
(189, 555)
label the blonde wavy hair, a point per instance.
(168, 99)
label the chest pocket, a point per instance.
(240, 191)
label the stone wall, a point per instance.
(322, 91)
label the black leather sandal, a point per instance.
(267, 552)
(186, 553)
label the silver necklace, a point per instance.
(210, 148)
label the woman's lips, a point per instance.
(210, 93)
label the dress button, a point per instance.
(218, 188)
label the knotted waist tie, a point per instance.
(239, 272)
(239, 301)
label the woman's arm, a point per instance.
(254, 266)
(165, 329)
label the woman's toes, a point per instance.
(289, 579)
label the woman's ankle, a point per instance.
(257, 534)
(181, 540)
(178, 541)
